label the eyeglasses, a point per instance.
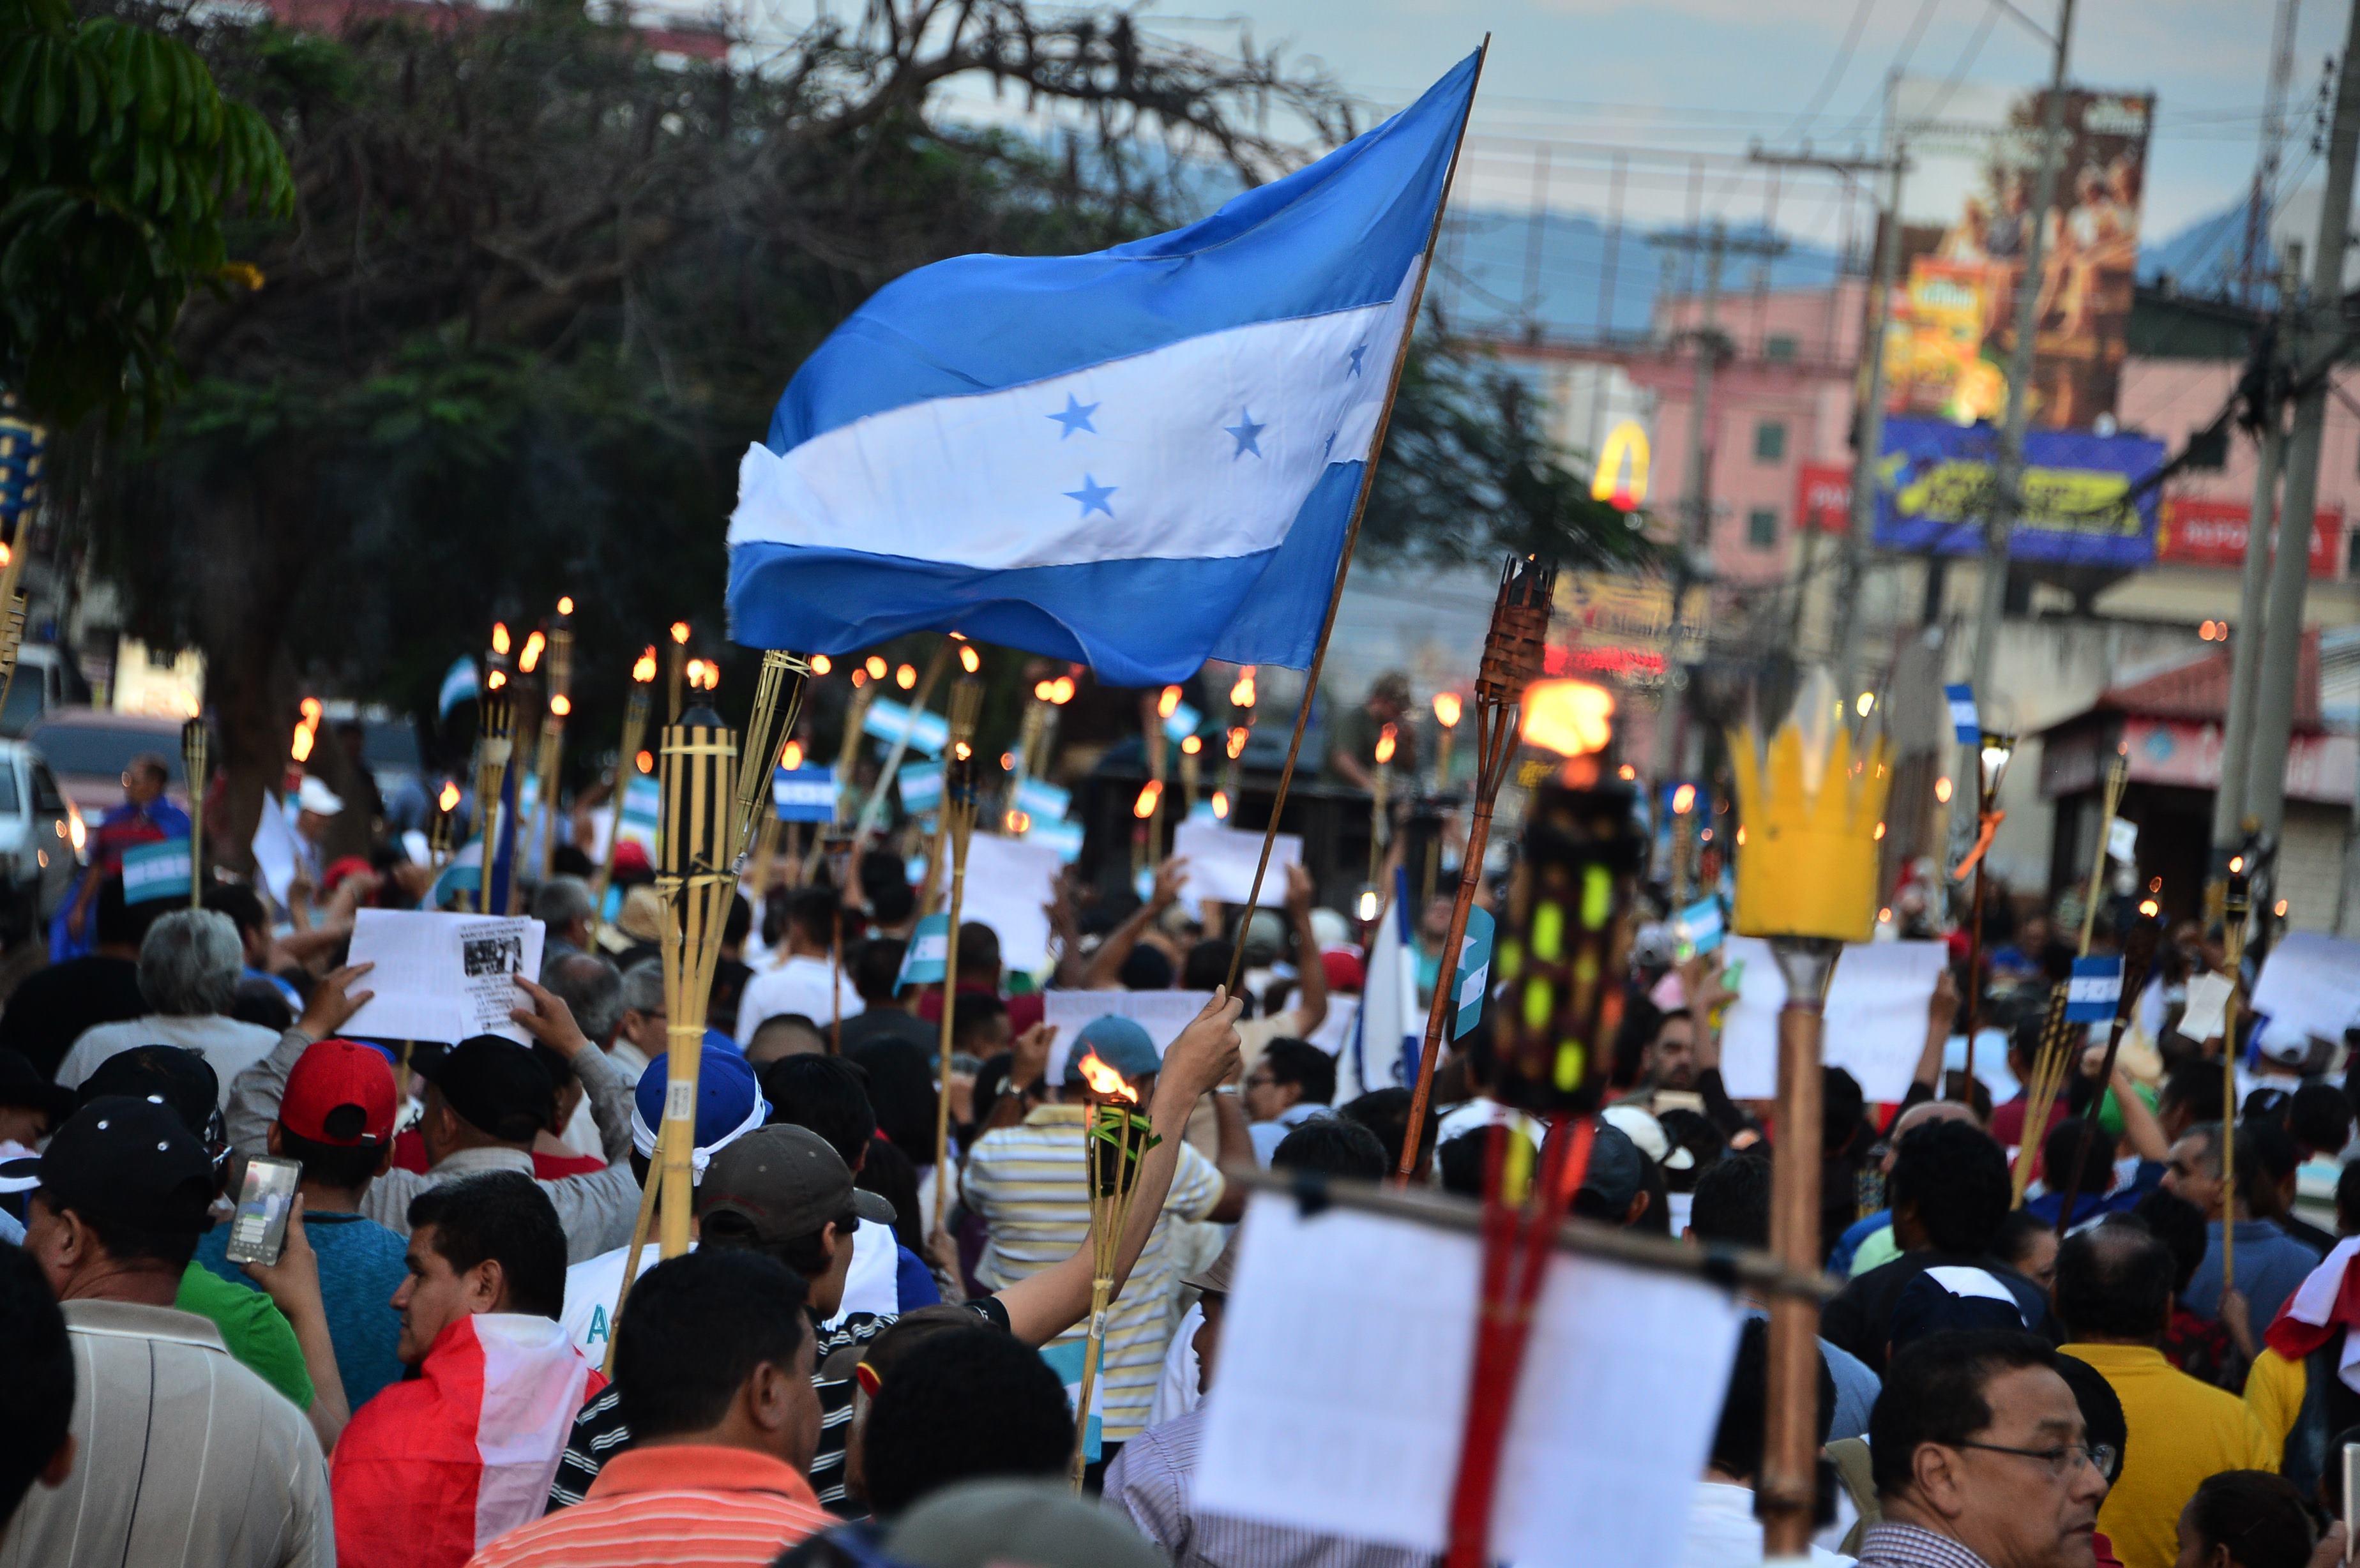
(2063, 1459)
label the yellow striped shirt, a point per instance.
(1031, 1185)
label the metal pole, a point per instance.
(1869, 427)
(2319, 333)
(1696, 502)
(2246, 642)
(2007, 499)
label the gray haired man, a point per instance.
(189, 968)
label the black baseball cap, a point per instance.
(785, 1181)
(22, 1084)
(182, 1080)
(130, 1161)
(1615, 1174)
(497, 1087)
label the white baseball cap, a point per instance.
(317, 798)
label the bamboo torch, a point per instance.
(627, 767)
(874, 807)
(552, 727)
(495, 747)
(1191, 748)
(1116, 1137)
(778, 698)
(2048, 1069)
(1813, 809)
(193, 759)
(2118, 775)
(2233, 911)
(1157, 746)
(438, 844)
(694, 875)
(1511, 658)
(957, 826)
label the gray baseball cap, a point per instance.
(785, 1182)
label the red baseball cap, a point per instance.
(1344, 969)
(340, 1094)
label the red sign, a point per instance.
(1823, 498)
(2201, 532)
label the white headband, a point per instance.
(644, 1137)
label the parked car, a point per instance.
(45, 679)
(88, 748)
(41, 839)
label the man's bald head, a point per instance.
(1917, 1115)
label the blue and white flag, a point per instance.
(1182, 722)
(804, 794)
(1472, 981)
(2095, 991)
(642, 813)
(156, 871)
(458, 686)
(924, 962)
(1063, 836)
(1699, 926)
(1039, 450)
(1964, 724)
(1042, 801)
(929, 731)
(920, 784)
(1389, 1029)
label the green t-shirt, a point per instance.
(256, 1331)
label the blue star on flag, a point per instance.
(1076, 417)
(1245, 430)
(1093, 496)
(1357, 353)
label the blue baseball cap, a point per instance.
(729, 1102)
(1119, 1042)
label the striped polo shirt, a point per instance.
(1031, 1184)
(682, 1504)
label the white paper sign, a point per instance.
(1875, 1015)
(1010, 884)
(1162, 1014)
(275, 849)
(441, 976)
(2122, 839)
(1221, 862)
(1321, 1431)
(2310, 984)
(2206, 1014)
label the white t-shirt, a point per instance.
(228, 1045)
(796, 986)
(1723, 1533)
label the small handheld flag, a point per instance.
(156, 870)
(1042, 801)
(920, 784)
(1964, 723)
(1473, 980)
(924, 963)
(2122, 839)
(2095, 991)
(928, 732)
(804, 794)
(1699, 928)
(458, 686)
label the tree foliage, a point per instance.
(121, 162)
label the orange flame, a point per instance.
(1008, 762)
(1386, 741)
(1447, 709)
(561, 704)
(565, 603)
(1168, 702)
(643, 669)
(1190, 745)
(1237, 746)
(905, 677)
(1150, 794)
(695, 674)
(302, 749)
(969, 660)
(860, 679)
(1019, 822)
(875, 667)
(1220, 803)
(820, 664)
(1062, 693)
(1044, 690)
(311, 709)
(1942, 791)
(496, 679)
(680, 633)
(499, 637)
(791, 757)
(1684, 800)
(1103, 1080)
(530, 657)
(645, 762)
(961, 751)
(1241, 692)
(1572, 718)
(448, 798)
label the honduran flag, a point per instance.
(1141, 458)
(433, 1468)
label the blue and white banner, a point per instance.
(2088, 499)
(1063, 836)
(929, 731)
(1184, 723)
(1699, 928)
(1472, 982)
(156, 871)
(804, 794)
(1965, 723)
(925, 961)
(920, 784)
(642, 813)
(1036, 450)
(2095, 990)
(458, 686)
(1042, 801)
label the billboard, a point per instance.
(1975, 157)
(1934, 489)
(2201, 532)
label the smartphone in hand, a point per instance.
(257, 1233)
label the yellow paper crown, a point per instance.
(1807, 861)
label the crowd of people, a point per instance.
(866, 1357)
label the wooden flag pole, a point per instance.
(2233, 911)
(2118, 775)
(959, 825)
(872, 808)
(1351, 533)
(193, 759)
(1511, 658)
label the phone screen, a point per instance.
(259, 1231)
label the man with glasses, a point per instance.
(2113, 1290)
(1981, 1459)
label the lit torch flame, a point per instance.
(499, 637)
(1168, 702)
(561, 704)
(1220, 804)
(969, 660)
(448, 798)
(875, 667)
(531, 658)
(1684, 800)
(680, 633)
(497, 678)
(1044, 690)
(1103, 1080)
(1062, 691)
(820, 664)
(905, 677)
(1149, 794)
(301, 749)
(644, 669)
(1447, 709)
(1242, 693)
(1385, 744)
(791, 757)
(1237, 746)
(565, 603)
(1190, 745)
(312, 710)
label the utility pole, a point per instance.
(1694, 561)
(2007, 497)
(2265, 415)
(1868, 419)
(2318, 338)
